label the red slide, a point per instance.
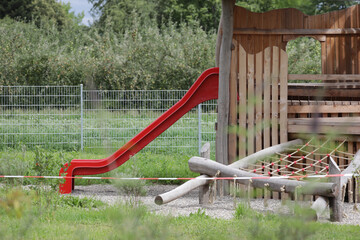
(205, 88)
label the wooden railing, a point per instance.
(343, 87)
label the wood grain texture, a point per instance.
(242, 107)
(233, 104)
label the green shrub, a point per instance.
(144, 57)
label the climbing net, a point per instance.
(308, 159)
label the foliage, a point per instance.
(54, 220)
(144, 57)
(206, 13)
(40, 12)
(80, 202)
(131, 188)
(304, 56)
(23, 162)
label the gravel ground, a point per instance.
(221, 208)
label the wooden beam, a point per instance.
(332, 31)
(198, 164)
(287, 38)
(260, 155)
(181, 190)
(323, 108)
(204, 191)
(321, 203)
(224, 75)
(333, 121)
(335, 203)
(324, 77)
(218, 43)
(309, 91)
(327, 85)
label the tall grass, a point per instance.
(39, 214)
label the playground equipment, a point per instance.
(205, 88)
(256, 95)
(292, 161)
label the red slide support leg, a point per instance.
(205, 88)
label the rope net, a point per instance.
(308, 159)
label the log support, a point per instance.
(335, 203)
(204, 191)
(321, 203)
(209, 167)
(242, 163)
(224, 76)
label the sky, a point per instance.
(79, 6)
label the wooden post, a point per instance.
(224, 76)
(320, 204)
(335, 203)
(204, 191)
(218, 43)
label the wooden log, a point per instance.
(321, 203)
(198, 164)
(181, 190)
(333, 31)
(224, 75)
(324, 109)
(353, 166)
(253, 158)
(319, 206)
(218, 43)
(243, 163)
(204, 191)
(335, 203)
(324, 77)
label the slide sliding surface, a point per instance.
(205, 88)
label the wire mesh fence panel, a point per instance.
(208, 120)
(68, 117)
(40, 115)
(111, 118)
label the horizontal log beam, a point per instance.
(333, 31)
(242, 163)
(181, 190)
(323, 108)
(324, 77)
(339, 125)
(258, 156)
(333, 121)
(209, 167)
(309, 91)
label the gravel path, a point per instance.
(222, 208)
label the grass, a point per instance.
(46, 215)
(48, 162)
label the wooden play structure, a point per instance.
(262, 111)
(261, 107)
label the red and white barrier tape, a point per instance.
(209, 178)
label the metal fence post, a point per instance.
(199, 128)
(81, 118)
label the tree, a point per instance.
(15, 9)
(40, 11)
(206, 12)
(119, 13)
